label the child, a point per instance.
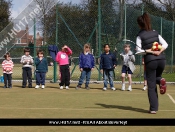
(86, 64)
(27, 62)
(41, 69)
(107, 64)
(63, 60)
(7, 66)
(145, 81)
(128, 66)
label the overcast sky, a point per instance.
(19, 5)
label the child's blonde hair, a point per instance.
(87, 46)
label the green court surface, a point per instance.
(52, 102)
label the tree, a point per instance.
(121, 12)
(108, 20)
(5, 13)
(46, 6)
(169, 5)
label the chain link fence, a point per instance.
(75, 25)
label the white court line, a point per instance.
(171, 98)
(81, 109)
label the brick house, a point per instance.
(23, 38)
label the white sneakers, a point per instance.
(37, 86)
(67, 87)
(129, 88)
(113, 88)
(123, 87)
(61, 87)
(104, 89)
(144, 88)
(42, 86)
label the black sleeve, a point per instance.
(114, 60)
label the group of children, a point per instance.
(27, 62)
(108, 63)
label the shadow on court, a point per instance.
(123, 107)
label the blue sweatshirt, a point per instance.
(41, 66)
(86, 61)
(107, 61)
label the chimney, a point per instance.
(37, 35)
(27, 34)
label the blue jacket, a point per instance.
(107, 61)
(86, 61)
(41, 66)
(53, 50)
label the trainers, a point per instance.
(163, 86)
(37, 86)
(113, 88)
(77, 87)
(152, 112)
(61, 87)
(5, 86)
(67, 87)
(129, 88)
(144, 88)
(104, 89)
(123, 87)
(87, 88)
(43, 86)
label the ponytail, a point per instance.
(144, 22)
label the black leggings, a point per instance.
(154, 70)
(65, 75)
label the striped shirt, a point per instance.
(27, 61)
(7, 66)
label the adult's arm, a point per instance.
(164, 45)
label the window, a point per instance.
(18, 40)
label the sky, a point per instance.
(19, 5)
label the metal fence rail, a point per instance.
(97, 23)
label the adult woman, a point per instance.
(154, 60)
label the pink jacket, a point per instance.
(62, 57)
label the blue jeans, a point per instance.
(108, 74)
(40, 78)
(86, 72)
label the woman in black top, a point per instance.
(154, 60)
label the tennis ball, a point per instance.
(155, 44)
(159, 47)
(154, 48)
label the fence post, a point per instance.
(56, 43)
(172, 58)
(34, 52)
(99, 34)
(161, 26)
(140, 79)
(125, 20)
